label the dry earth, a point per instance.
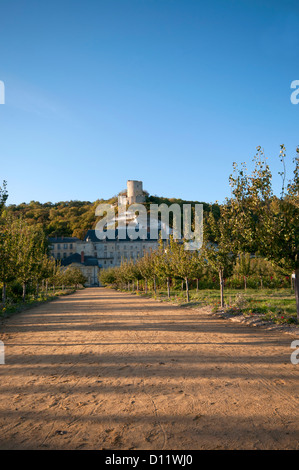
(102, 369)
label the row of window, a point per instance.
(58, 255)
(65, 246)
(119, 256)
(69, 246)
(124, 247)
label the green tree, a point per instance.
(146, 267)
(183, 263)
(163, 265)
(244, 266)
(107, 276)
(8, 253)
(73, 276)
(51, 269)
(218, 247)
(263, 222)
(31, 247)
(3, 195)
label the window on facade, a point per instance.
(58, 246)
(65, 246)
(58, 255)
(71, 246)
(64, 255)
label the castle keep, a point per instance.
(91, 254)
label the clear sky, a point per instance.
(170, 92)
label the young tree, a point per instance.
(264, 223)
(199, 268)
(3, 195)
(32, 246)
(244, 266)
(146, 267)
(73, 277)
(163, 265)
(8, 252)
(107, 276)
(183, 263)
(51, 269)
(218, 247)
(261, 268)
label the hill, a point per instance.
(74, 218)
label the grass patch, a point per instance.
(275, 305)
(17, 307)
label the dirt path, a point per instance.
(106, 370)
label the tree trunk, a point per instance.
(145, 286)
(187, 289)
(137, 285)
(24, 292)
(221, 288)
(182, 286)
(4, 293)
(46, 288)
(297, 291)
(168, 288)
(245, 282)
(155, 287)
(261, 282)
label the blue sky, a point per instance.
(170, 92)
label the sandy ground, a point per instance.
(107, 370)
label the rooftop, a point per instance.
(76, 258)
(63, 239)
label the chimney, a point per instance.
(82, 257)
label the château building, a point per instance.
(92, 254)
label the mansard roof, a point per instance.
(63, 239)
(91, 236)
(76, 258)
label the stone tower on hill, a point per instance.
(134, 192)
